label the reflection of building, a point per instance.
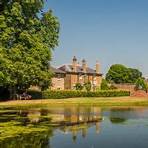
(34, 116)
(80, 119)
(81, 128)
(67, 76)
(68, 119)
(76, 115)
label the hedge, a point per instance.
(35, 94)
(74, 94)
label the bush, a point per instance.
(141, 85)
(87, 86)
(4, 94)
(104, 85)
(78, 86)
(74, 94)
(35, 94)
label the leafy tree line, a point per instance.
(121, 74)
(27, 37)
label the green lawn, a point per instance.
(116, 101)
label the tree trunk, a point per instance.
(12, 90)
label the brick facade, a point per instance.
(70, 75)
(128, 87)
(57, 84)
(58, 81)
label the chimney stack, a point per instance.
(84, 65)
(74, 64)
(97, 67)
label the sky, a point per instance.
(108, 31)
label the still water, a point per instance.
(74, 127)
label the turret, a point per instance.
(74, 64)
(84, 65)
(97, 67)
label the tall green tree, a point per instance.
(27, 37)
(134, 74)
(121, 74)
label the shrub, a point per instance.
(141, 85)
(78, 86)
(87, 86)
(104, 85)
(36, 94)
(74, 94)
(4, 94)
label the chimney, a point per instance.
(74, 64)
(97, 67)
(84, 65)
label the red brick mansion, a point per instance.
(68, 75)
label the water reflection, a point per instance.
(72, 116)
(76, 121)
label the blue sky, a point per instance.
(110, 31)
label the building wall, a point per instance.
(80, 79)
(72, 79)
(99, 81)
(35, 87)
(67, 81)
(90, 78)
(128, 87)
(57, 83)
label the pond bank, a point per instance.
(116, 101)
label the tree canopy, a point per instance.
(121, 74)
(27, 37)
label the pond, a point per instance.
(74, 127)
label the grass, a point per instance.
(102, 102)
(12, 129)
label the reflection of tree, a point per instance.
(33, 140)
(117, 120)
(74, 136)
(119, 115)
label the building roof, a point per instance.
(79, 69)
(55, 70)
